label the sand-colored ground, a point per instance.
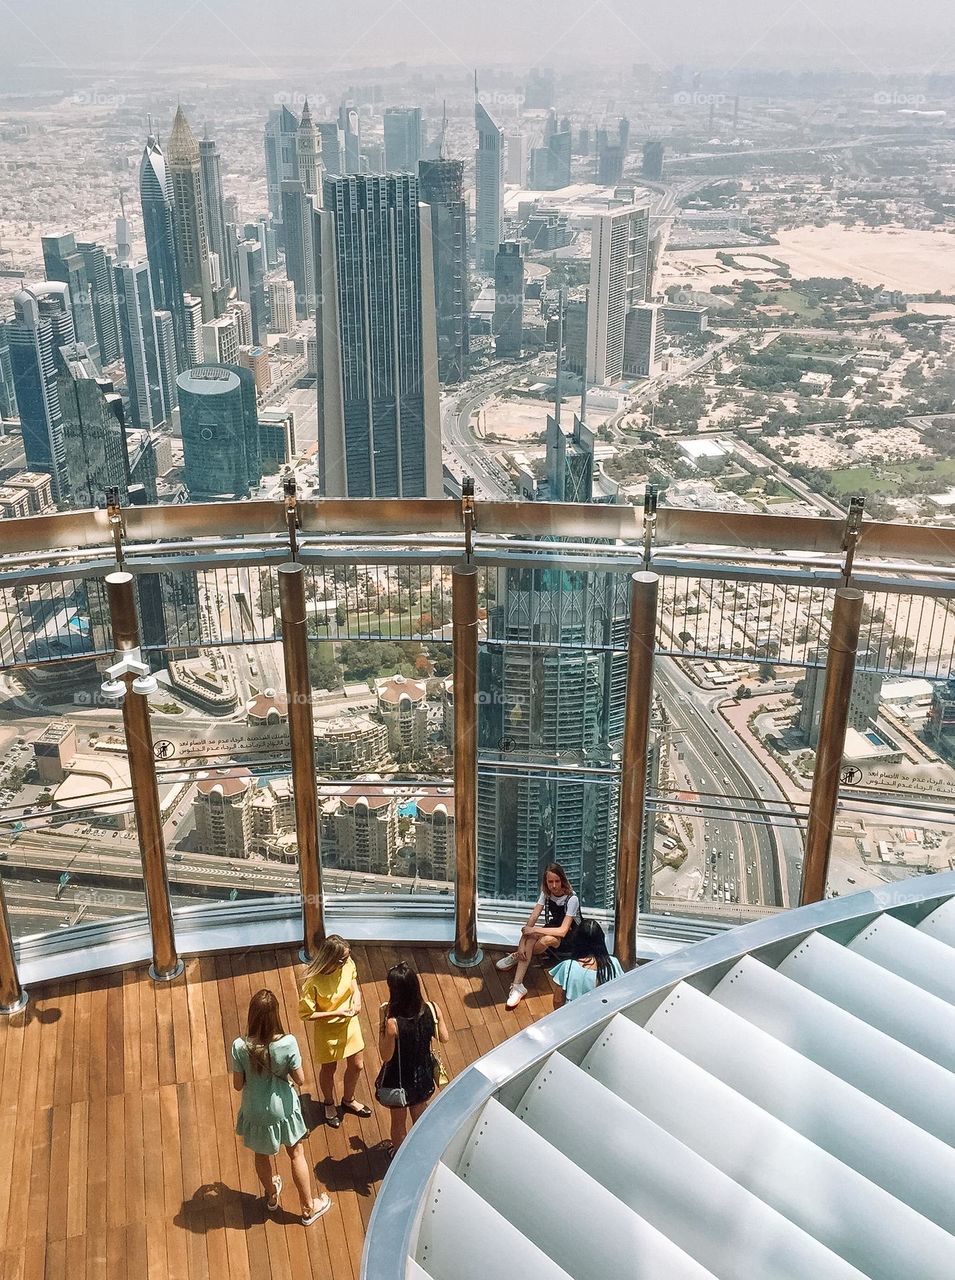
(910, 261)
(895, 444)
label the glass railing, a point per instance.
(743, 626)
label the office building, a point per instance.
(240, 313)
(402, 139)
(141, 345)
(281, 157)
(256, 360)
(308, 142)
(518, 154)
(684, 318)
(183, 168)
(210, 182)
(298, 223)
(863, 698)
(220, 432)
(168, 367)
(652, 166)
(42, 323)
(63, 262)
(94, 430)
(610, 164)
(620, 242)
(99, 274)
(281, 306)
(509, 299)
(489, 186)
(550, 160)
(379, 415)
(349, 123)
(159, 228)
(623, 134)
(252, 287)
(221, 341)
(644, 340)
(276, 438)
(332, 145)
(222, 809)
(575, 335)
(440, 187)
(539, 89)
(192, 310)
(8, 395)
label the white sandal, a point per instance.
(320, 1206)
(272, 1203)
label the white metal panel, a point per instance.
(728, 1229)
(940, 923)
(414, 1272)
(857, 1220)
(559, 1207)
(889, 1150)
(911, 955)
(900, 1009)
(874, 1063)
(462, 1238)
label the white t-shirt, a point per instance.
(570, 903)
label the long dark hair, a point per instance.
(555, 869)
(404, 992)
(264, 1026)
(587, 942)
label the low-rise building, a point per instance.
(350, 745)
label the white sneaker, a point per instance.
(516, 994)
(507, 962)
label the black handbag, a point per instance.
(389, 1095)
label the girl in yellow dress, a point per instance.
(331, 1002)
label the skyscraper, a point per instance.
(308, 143)
(281, 156)
(220, 432)
(402, 139)
(8, 396)
(489, 186)
(42, 323)
(379, 415)
(137, 326)
(297, 219)
(332, 142)
(440, 187)
(653, 159)
(182, 159)
(550, 161)
(349, 122)
(168, 367)
(210, 181)
(643, 340)
(159, 228)
(94, 434)
(620, 241)
(99, 273)
(509, 299)
(63, 262)
(252, 287)
(281, 306)
(193, 313)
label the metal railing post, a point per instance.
(644, 588)
(166, 963)
(298, 687)
(834, 719)
(13, 998)
(464, 609)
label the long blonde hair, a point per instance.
(329, 956)
(264, 1025)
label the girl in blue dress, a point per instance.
(589, 964)
(265, 1064)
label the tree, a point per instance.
(742, 692)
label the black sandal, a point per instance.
(356, 1109)
(334, 1121)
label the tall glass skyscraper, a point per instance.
(42, 323)
(402, 139)
(489, 186)
(379, 412)
(281, 156)
(297, 219)
(94, 431)
(192, 241)
(440, 187)
(99, 273)
(220, 431)
(159, 227)
(63, 262)
(210, 178)
(141, 347)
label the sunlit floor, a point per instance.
(117, 1152)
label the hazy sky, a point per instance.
(874, 36)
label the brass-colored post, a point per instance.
(840, 669)
(298, 687)
(12, 996)
(464, 616)
(142, 775)
(644, 589)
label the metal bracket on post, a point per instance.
(649, 524)
(467, 516)
(851, 536)
(114, 514)
(291, 516)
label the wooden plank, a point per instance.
(55, 1208)
(115, 1037)
(34, 1260)
(116, 1254)
(63, 1069)
(193, 994)
(80, 1079)
(148, 1034)
(97, 1178)
(98, 1041)
(115, 1164)
(97, 1263)
(208, 1152)
(40, 1175)
(137, 1260)
(217, 1040)
(177, 1256)
(8, 1132)
(154, 1216)
(132, 1043)
(54, 1264)
(165, 1033)
(13, 1231)
(134, 1145)
(229, 1176)
(74, 1190)
(76, 1257)
(47, 1014)
(194, 1205)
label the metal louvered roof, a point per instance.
(776, 1102)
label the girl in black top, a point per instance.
(560, 908)
(407, 1025)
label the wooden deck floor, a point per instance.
(118, 1157)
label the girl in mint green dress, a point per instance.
(265, 1064)
(589, 965)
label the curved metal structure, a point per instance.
(776, 1102)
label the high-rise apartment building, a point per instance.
(192, 309)
(221, 341)
(240, 313)
(440, 187)
(620, 243)
(281, 306)
(256, 360)
(210, 181)
(141, 349)
(183, 167)
(99, 273)
(42, 323)
(281, 156)
(223, 812)
(63, 262)
(489, 188)
(402, 139)
(220, 432)
(863, 697)
(509, 299)
(360, 829)
(8, 395)
(159, 228)
(379, 414)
